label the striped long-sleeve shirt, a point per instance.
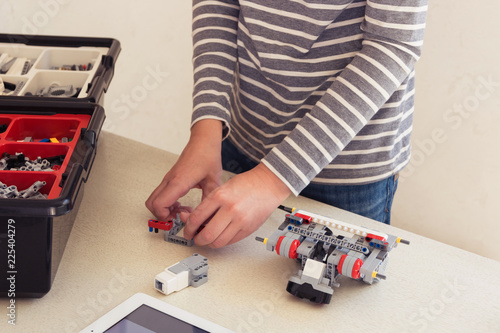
(317, 90)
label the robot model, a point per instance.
(326, 249)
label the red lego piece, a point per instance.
(161, 225)
(307, 219)
(380, 238)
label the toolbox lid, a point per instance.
(56, 68)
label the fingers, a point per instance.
(163, 201)
(218, 230)
(230, 235)
(205, 211)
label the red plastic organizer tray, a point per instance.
(57, 126)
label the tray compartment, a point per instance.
(53, 59)
(24, 179)
(19, 83)
(51, 152)
(4, 125)
(22, 54)
(46, 79)
(43, 128)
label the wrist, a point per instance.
(278, 188)
(207, 130)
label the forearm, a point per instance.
(214, 58)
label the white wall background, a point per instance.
(451, 190)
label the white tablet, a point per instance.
(142, 313)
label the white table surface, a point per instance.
(110, 255)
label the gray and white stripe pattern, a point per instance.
(317, 90)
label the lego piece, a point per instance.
(192, 271)
(178, 240)
(170, 230)
(324, 255)
(54, 140)
(32, 190)
(17, 90)
(159, 225)
(7, 66)
(15, 66)
(58, 91)
(10, 89)
(26, 67)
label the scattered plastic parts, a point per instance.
(327, 248)
(13, 65)
(32, 192)
(19, 162)
(61, 91)
(10, 89)
(56, 91)
(192, 271)
(79, 68)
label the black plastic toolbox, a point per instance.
(64, 132)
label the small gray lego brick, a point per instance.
(392, 242)
(171, 235)
(306, 248)
(382, 255)
(273, 239)
(19, 86)
(370, 265)
(178, 240)
(177, 225)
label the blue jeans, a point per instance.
(372, 200)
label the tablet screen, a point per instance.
(145, 319)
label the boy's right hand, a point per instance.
(199, 166)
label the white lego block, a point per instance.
(314, 269)
(168, 282)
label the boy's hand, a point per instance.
(199, 166)
(236, 209)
